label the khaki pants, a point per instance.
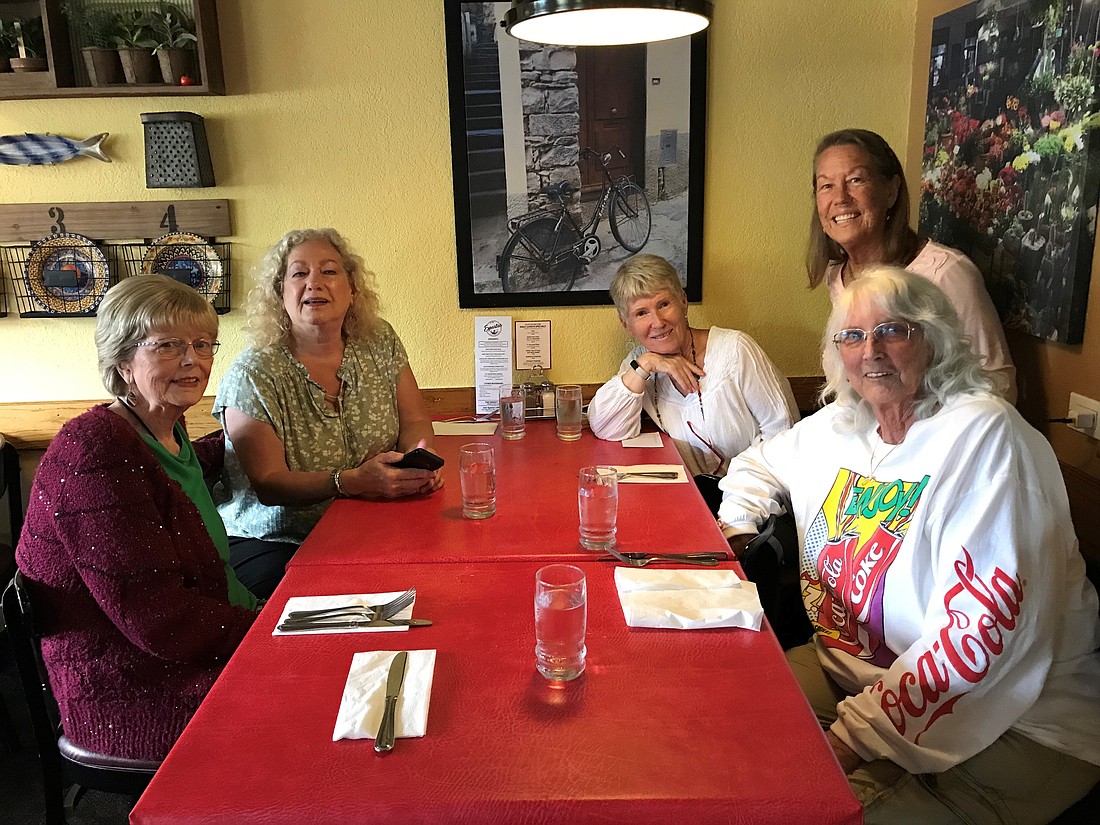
(1014, 780)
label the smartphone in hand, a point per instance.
(419, 459)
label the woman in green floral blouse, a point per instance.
(320, 406)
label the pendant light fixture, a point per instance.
(605, 22)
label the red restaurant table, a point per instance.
(664, 726)
(536, 514)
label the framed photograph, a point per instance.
(1011, 155)
(569, 160)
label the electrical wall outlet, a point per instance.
(1079, 404)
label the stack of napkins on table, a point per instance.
(365, 695)
(687, 599)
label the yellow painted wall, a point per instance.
(337, 114)
(1047, 372)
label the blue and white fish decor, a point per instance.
(36, 150)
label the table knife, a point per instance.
(384, 741)
(716, 556)
(335, 622)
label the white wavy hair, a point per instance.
(953, 368)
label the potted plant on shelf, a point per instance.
(95, 27)
(133, 38)
(8, 44)
(175, 39)
(31, 43)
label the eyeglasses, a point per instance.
(888, 332)
(707, 444)
(169, 348)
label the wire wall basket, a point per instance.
(61, 277)
(191, 260)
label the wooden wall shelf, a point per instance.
(61, 79)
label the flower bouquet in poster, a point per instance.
(1011, 167)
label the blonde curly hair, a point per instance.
(268, 323)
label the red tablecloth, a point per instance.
(536, 509)
(665, 726)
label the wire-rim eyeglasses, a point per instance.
(888, 332)
(168, 348)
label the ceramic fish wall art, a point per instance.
(35, 150)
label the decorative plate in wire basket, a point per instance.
(66, 274)
(187, 258)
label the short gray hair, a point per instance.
(953, 367)
(133, 307)
(268, 324)
(642, 276)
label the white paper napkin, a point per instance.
(644, 440)
(324, 602)
(687, 599)
(681, 475)
(365, 695)
(464, 427)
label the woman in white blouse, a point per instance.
(714, 391)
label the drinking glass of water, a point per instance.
(512, 424)
(598, 502)
(477, 473)
(561, 613)
(567, 409)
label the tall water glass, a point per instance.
(512, 425)
(567, 409)
(561, 613)
(598, 502)
(477, 473)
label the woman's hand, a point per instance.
(684, 374)
(849, 760)
(376, 477)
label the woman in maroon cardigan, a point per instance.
(122, 546)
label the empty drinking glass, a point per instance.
(567, 409)
(512, 425)
(561, 613)
(598, 502)
(477, 474)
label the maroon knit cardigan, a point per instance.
(128, 588)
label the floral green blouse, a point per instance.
(272, 386)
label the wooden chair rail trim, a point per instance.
(31, 425)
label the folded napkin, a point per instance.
(365, 695)
(681, 474)
(464, 427)
(687, 599)
(644, 440)
(323, 602)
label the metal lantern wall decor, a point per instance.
(176, 151)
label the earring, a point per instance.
(130, 399)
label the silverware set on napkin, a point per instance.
(351, 616)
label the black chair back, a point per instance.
(59, 756)
(10, 484)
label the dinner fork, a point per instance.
(716, 555)
(377, 611)
(648, 560)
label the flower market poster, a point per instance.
(1011, 165)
